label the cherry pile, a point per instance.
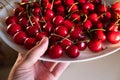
(70, 25)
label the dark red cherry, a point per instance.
(65, 42)
(102, 8)
(81, 45)
(93, 17)
(19, 37)
(11, 20)
(61, 30)
(32, 30)
(95, 45)
(17, 10)
(48, 27)
(81, 1)
(29, 43)
(113, 37)
(75, 17)
(112, 27)
(49, 14)
(68, 24)
(40, 35)
(58, 20)
(88, 6)
(13, 28)
(87, 25)
(55, 51)
(72, 51)
(100, 35)
(36, 11)
(69, 2)
(23, 22)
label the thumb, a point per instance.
(34, 54)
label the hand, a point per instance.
(29, 67)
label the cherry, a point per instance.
(36, 4)
(11, 20)
(113, 37)
(102, 8)
(22, 14)
(69, 2)
(88, 6)
(72, 51)
(82, 1)
(100, 35)
(54, 38)
(95, 45)
(19, 37)
(73, 8)
(23, 22)
(13, 28)
(81, 45)
(58, 20)
(65, 42)
(87, 24)
(17, 10)
(61, 30)
(76, 33)
(29, 43)
(32, 30)
(116, 6)
(36, 11)
(112, 27)
(57, 2)
(68, 24)
(49, 14)
(93, 17)
(99, 25)
(40, 35)
(48, 27)
(55, 51)
(47, 5)
(75, 17)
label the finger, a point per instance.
(34, 54)
(59, 69)
(49, 65)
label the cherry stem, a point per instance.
(96, 30)
(52, 4)
(72, 6)
(86, 17)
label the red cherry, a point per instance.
(23, 22)
(81, 45)
(73, 8)
(112, 27)
(36, 11)
(72, 51)
(95, 45)
(75, 17)
(93, 17)
(54, 38)
(49, 14)
(13, 28)
(100, 35)
(87, 25)
(55, 51)
(57, 2)
(88, 6)
(32, 30)
(116, 6)
(82, 1)
(65, 42)
(48, 27)
(99, 25)
(17, 10)
(58, 20)
(61, 30)
(68, 24)
(29, 43)
(102, 8)
(11, 20)
(22, 14)
(19, 37)
(113, 37)
(69, 2)
(40, 35)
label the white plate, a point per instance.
(84, 55)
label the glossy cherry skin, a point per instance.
(29, 43)
(58, 20)
(17, 10)
(48, 27)
(40, 35)
(19, 37)
(11, 20)
(95, 45)
(23, 22)
(88, 6)
(102, 8)
(112, 27)
(13, 28)
(81, 45)
(100, 35)
(72, 51)
(113, 37)
(87, 25)
(69, 2)
(32, 30)
(82, 1)
(61, 30)
(65, 42)
(68, 24)
(116, 6)
(49, 14)
(55, 51)
(93, 17)
(36, 11)
(75, 17)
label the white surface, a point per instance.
(84, 55)
(107, 68)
